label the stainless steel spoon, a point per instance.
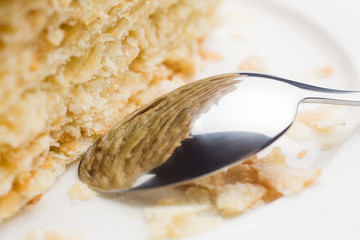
(231, 117)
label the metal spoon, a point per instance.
(231, 117)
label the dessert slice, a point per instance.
(69, 70)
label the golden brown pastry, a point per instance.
(69, 70)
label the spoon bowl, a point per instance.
(231, 117)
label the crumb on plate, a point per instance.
(35, 200)
(76, 234)
(169, 222)
(234, 199)
(324, 72)
(228, 193)
(279, 176)
(302, 153)
(32, 235)
(80, 191)
(209, 55)
(54, 235)
(253, 63)
(322, 119)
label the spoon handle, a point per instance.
(314, 94)
(338, 97)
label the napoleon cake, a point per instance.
(69, 70)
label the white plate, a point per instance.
(292, 46)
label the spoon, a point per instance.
(198, 129)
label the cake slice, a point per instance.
(69, 70)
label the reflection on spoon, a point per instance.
(203, 154)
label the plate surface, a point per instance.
(292, 39)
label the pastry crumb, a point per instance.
(169, 201)
(35, 200)
(73, 235)
(80, 191)
(264, 178)
(32, 235)
(198, 194)
(169, 222)
(253, 63)
(281, 177)
(236, 198)
(227, 194)
(302, 153)
(54, 235)
(324, 72)
(324, 119)
(208, 55)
